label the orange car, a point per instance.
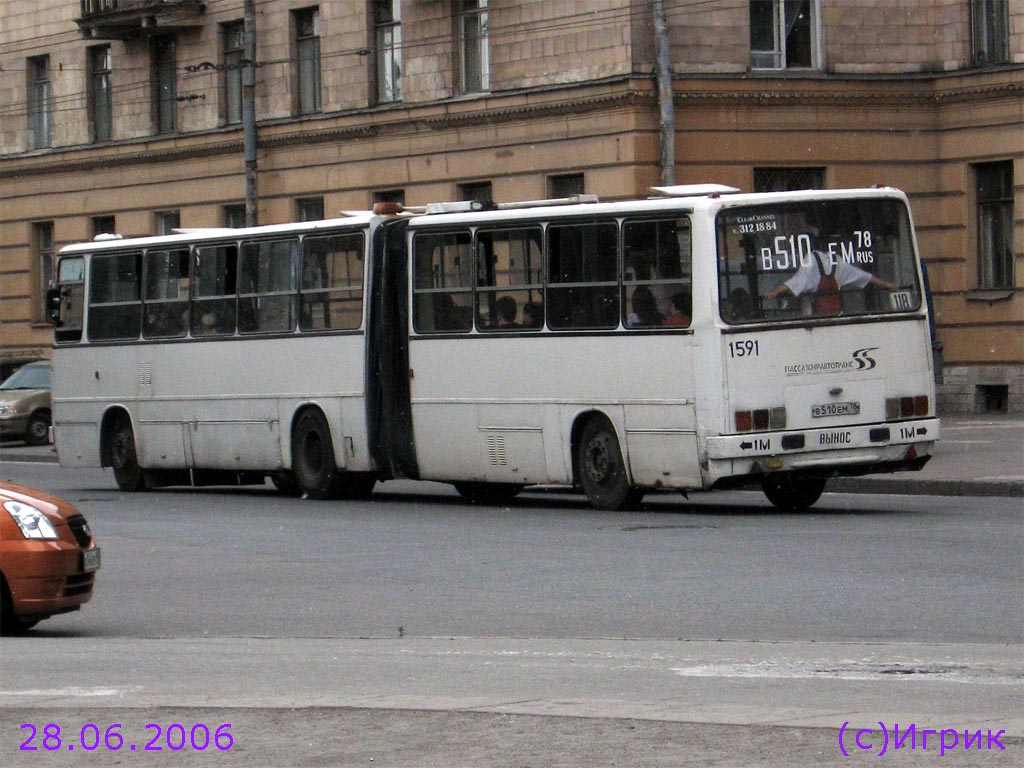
(48, 559)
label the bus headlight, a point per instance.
(32, 522)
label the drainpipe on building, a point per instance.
(249, 114)
(666, 103)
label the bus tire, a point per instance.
(313, 463)
(488, 493)
(602, 472)
(792, 491)
(125, 459)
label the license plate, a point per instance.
(91, 559)
(835, 409)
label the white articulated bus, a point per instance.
(698, 339)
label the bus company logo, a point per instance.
(860, 360)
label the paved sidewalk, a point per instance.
(977, 455)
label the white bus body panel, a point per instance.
(213, 405)
(502, 409)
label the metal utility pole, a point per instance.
(666, 103)
(249, 113)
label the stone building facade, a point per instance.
(126, 115)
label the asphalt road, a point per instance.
(690, 633)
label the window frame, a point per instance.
(778, 57)
(990, 32)
(100, 99)
(232, 36)
(994, 226)
(474, 49)
(165, 83)
(387, 27)
(308, 71)
(40, 102)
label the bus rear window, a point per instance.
(816, 259)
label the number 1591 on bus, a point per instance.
(745, 348)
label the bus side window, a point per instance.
(115, 304)
(165, 295)
(656, 279)
(266, 295)
(331, 287)
(71, 295)
(214, 300)
(583, 276)
(443, 282)
(510, 288)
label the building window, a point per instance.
(307, 48)
(165, 84)
(234, 47)
(103, 225)
(788, 179)
(475, 48)
(990, 31)
(100, 106)
(310, 208)
(42, 258)
(234, 215)
(389, 196)
(994, 191)
(167, 222)
(387, 20)
(39, 102)
(478, 191)
(783, 34)
(565, 185)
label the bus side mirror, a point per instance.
(53, 306)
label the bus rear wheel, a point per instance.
(124, 458)
(602, 472)
(792, 491)
(313, 456)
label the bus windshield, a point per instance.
(816, 259)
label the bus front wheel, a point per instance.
(602, 472)
(791, 490)
(124, 458)
(313, 456)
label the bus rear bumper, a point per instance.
(831, 452)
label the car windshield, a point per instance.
(818, 259)
(28, 377)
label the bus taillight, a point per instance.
(905, 407)
(761, 419)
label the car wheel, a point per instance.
(9, 623)
(313, 456)
(38, 430)
(792, 491)
(602, 471)
(488, 493)
(124, 459)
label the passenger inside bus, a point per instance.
(645, 309)
(505, 311)
(682, 309)
(533, 315)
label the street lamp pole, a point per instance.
(249, 113)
